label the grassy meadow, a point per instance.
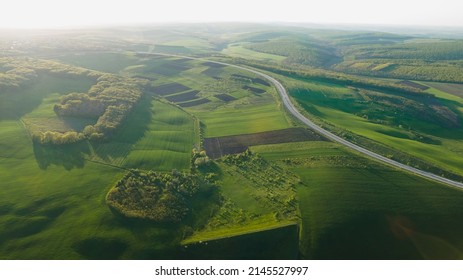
(238, 50)
(407, 128)
(58, 202)
(53, 198)
(352, 208)
(157, 136)
(100, 61)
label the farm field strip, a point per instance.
(242, 120)
(170, 88)
(217, 147)
(194, 102)
(187, 96)
(225, 97)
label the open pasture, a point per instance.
(15, 104)
(427, 128)
(242, 120)
(354, 208)
(166, 143)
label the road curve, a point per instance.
(292, 109)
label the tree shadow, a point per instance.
(274, 244)
(78, 123)
(73, 155)
(97, 248)
(68, 156)
(15, 105)
(129, 133)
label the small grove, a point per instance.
(160, 197)
(169, 197)
(108, 102)
(155, 196)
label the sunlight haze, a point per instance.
(62, 14)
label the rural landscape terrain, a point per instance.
(230, 141)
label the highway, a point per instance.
(292, 109)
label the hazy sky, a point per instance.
(69, 13)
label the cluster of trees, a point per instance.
(442, 71)
(421, 51)
(159, 197)
(405, 110)
(334, 78)
(14, 76)
(366, 53)
(199, 158)
(354, 39)
(34, 66)
(57, 138)
(418, 60)
(110, 101)
(296, 51)
(240, 159)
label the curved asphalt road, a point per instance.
(292, 109)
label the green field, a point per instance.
(405, 128)
(256, 196)
(309, 200)
(247, 119)
(241, 51)
(155, 136)
(15, 104)
(250, 113)
(53, 201)
(105, 62)
(352, 208)
(167, 142)
(43, 118)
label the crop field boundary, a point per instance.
(217, 147)
(238, 231)
(197, 122)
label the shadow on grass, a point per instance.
(73, 155)
(30, 219)
(365, 236)
(14, 105)
(68, 156)
(78, 124)
(19, 227)
(100, 248)
(204, 205)
(277, 244)
(132, 130)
